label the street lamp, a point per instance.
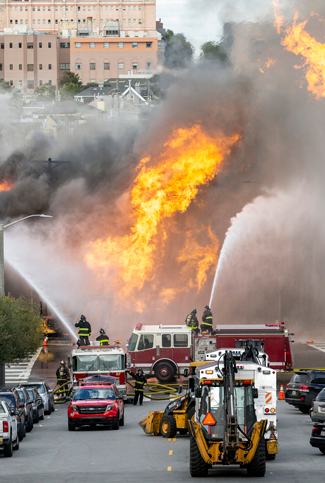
(2, 261)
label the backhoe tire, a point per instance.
(190, 413)
(198, 467)
(270, 457)
(165, 372)
(257, 467)
(168, 427)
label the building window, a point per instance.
(33, 9)
(134, 45)
(64, 45)
(101, 8)
(92, 45)
(30, 84)
(101, 20)
(56, 20)
(92, 66)
(140, 8)
(129, 8)
(120, 45)
(10, 45)
(64, 66)
(134, 20)
(89, 8)
(38, 21)
(38, 9)
(56, 9)
(50, 82)
(148, 65)
(49, 21)
(43, 9)
(40, 67)
(84, 9)
(0, 67)
(20, 66)
(11, 67)
(78, 9)
(44, 20)
(26, 21)
(30, 67)
(48, 9)
(124, 8)
(134, 8)
(92, 81)
(78, 66)
(19, 45)
(124, 21)
(129, 20)
(21, 21)
(11, 83)
(140, 21)
(50, 66)
(33, 20)
(94, 8)
(106, 45)
(134, 65)
(40, 83)
(120, 66)
(10, 9)
(2, 46)
(148, 45)
(71, 9)
(10, 21)
(49, 45)
(106, 65)
(16, 21)
(78, 20)
(84, 20)
(116, 8)
(40, 45)
(26, 9)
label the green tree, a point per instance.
(70, 85)
(21, 328)
(46, 91)
(212, 51)
(178, 51)
(5, 86)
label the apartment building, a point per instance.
(135, 18)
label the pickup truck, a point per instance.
(9, 439)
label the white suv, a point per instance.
(8, 429)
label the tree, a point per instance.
(21, 328)
(70, 85)
(5, 86)
(178, 51)
(46, 91)
(212, 51)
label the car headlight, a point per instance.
(74, 408)
(109, 407)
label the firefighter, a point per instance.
(84, 330)
(140, 382)
(63, 377)
(103, 338)
(192, 322)
(207, 320)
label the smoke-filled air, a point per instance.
(217, 197)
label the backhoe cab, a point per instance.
(224, 430)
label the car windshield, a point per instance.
(85, 363)
(300, 378)
(321, 396)
(9, 399)
(40, 388)
(133, 342)
(30, 394)
(100, 393)
(111, 362)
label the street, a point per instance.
(50, 453)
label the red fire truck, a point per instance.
(106, 360)
(166, 350)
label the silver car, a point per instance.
(317, 412)
(46, 394)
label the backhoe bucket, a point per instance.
(151, 424)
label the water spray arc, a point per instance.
(222, 257)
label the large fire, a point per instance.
(164, 185)
(6, 186)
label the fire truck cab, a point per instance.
(104, 360)
(163, 350)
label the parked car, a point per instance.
(46, 394)
(96, 404)
(38, 404)
(317, 411)
(9, 438)
(24, 396)
(303, 389)
(317, 439)
(11, 397)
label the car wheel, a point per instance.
(30, 424)
(304, 410)
(122, 420)
(116, 425)
(16, 445)
(165, 372)
(22, 432)
(71, 426)
(8, 452)
(322, 450)
(36, 420)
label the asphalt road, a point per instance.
(50, 453)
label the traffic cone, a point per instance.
(281, 395)
(45, 341)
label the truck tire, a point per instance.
(116, 425)
(122, 420)
(168, 427)
(71, 426)
(165, 372)
(257, 467)
(198, 467)
(8, 450)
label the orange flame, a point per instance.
(164, 186)
(267, 65)
(6, 186)
(278, 17)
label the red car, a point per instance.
(96, 404)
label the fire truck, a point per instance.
(92, 360)
(167, 350)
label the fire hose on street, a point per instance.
(64, 387)
(170, 391)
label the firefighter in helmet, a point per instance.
(207, 320)
(63, 377)
(84, 330)
(140, 382)
(103, 338)
(192, 322)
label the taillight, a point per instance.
(287, 386)
(5, 427)
(303, 388)
(314, 430)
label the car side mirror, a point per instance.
(21, 405)
(13, 412)
(186, 372)
(255, 392)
